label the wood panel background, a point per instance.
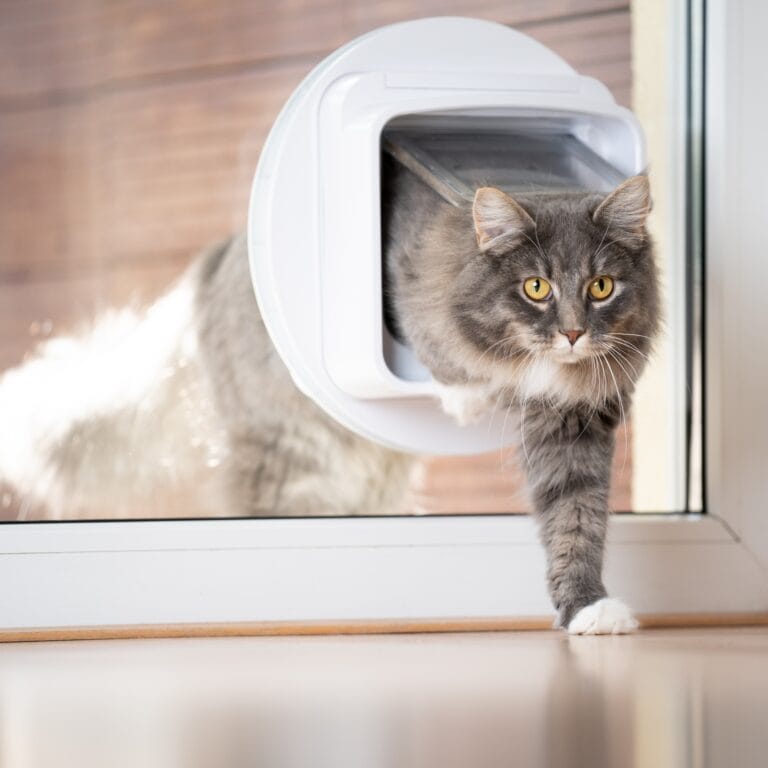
(130, 130)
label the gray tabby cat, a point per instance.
(285, 456)
(546, 304)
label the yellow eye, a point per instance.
(537, 288)
(601, 287)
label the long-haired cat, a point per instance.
(546, 304)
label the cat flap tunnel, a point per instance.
(461, 103)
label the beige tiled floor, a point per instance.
(661, 698)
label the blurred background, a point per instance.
(129, 135)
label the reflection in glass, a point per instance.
(108, 192)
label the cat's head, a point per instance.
(567, 277)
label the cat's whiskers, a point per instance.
(606, 384)
(639, 335)
(526, 355)
(522, 434)
(622, 358)
(621, 337)
(553, 404)
(603, 396)
(524, 364)
(529, 359)
(611, 353)
(596, 405)
(623, 414)
(518, 399)
(502, 392)
(495, 408)
(627, 345)
(505, 340)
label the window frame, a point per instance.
(470, 571)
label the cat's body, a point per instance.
(285, 456)
(457, 285)
(185, 406)
(566, 360)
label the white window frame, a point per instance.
(473, 571)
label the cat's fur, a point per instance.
(285, 455)
(455, 285)
(196, 383)
(185, 406)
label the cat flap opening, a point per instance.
(461, 103)
(456, 155)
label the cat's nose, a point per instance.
(573, 335)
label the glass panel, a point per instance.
(512, 155)
(128, 143)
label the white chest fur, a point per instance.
(468, 403)
(541, 378)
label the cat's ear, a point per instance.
(501, 223)
(625, 211)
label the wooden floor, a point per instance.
(660, 698)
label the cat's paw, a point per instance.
(607, 616)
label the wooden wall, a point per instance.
(130, 130)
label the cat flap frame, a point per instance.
(314, 229)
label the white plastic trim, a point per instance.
(737, 312)
(92, 574)
(315, 248)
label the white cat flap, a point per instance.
(461, 103)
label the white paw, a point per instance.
(607, 616)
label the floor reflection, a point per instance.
(660, 698)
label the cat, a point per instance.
(494, 299)
(547, 304)
(187, 406)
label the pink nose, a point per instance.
(573, 336)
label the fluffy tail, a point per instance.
(114, 422)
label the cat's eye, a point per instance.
(601, 287)
(537, 288)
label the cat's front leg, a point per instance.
(568, 459)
